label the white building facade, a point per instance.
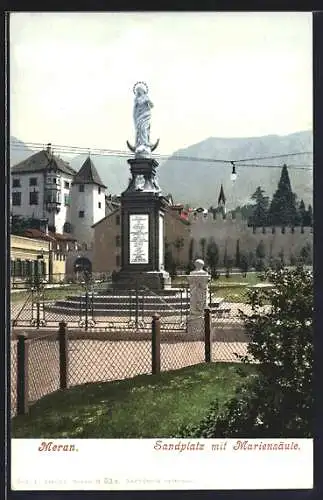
(87, 203)
(46, 188)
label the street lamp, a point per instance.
(233, 173)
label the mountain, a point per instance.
(198, 183)
(18, 151)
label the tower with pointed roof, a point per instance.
(87, 202)
(221, 201)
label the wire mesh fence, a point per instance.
(80, 357)
(228, 335)
(104, 360)
(96, 306)
(180, 351)
(43, 366)
(13, 377)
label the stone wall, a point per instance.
(226, 232)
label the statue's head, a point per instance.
(140, 88)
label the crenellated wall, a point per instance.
(226, 232)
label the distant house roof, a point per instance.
(40, 162)
(221, 198)
(111, 204)
(173, 213)
(116, 210)
(40, 235)
(88, 174)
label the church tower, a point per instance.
(88, 202)
(221, 201)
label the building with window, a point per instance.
(29, 256)
(46, 188)
(41, 188)
(88, 202)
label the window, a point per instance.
(118, 260)
(99, 204)
(18, 267)
(118, 220)
(16, 199)
(81, 214)
(99, 190)
(66, 185)
(67, 228)
(33, 181)
(67, 200)
(118, 240)
(81, 188)
(33, 198)
(29, 267)
(16, 183)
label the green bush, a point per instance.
(278, 402)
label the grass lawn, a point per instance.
(234, 288)
(146, 406)
(50, 293)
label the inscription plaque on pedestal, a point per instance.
(139, 238)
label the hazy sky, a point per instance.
(209, 74)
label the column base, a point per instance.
(152, 280)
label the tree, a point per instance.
(306, 256)
(278, 401)
(251, 259)
(292, 260)
(228, 266)
(308, 217)
(259, 215)
(244, 263)
(20, 224)
(203, 247)
(170, 264)
(212, 256)
(281, 256)
(179, 245)
(261, 250)
(225, 257)
(191, 251)
(237, 262)
(283, 210)
(302, 213)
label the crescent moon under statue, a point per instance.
(152, 146)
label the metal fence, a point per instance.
(94, 304)
(44, 363)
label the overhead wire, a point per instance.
(64, 149)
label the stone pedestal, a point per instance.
(142, 229)
(198, 282)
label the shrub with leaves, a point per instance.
(278, 401)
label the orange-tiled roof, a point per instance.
(37, 234)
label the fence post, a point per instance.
(63, 355)
(22, 375)
(155, 344)
(207, 335)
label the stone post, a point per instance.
(198, 282)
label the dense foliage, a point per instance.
(278, 402)
(283, 210)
